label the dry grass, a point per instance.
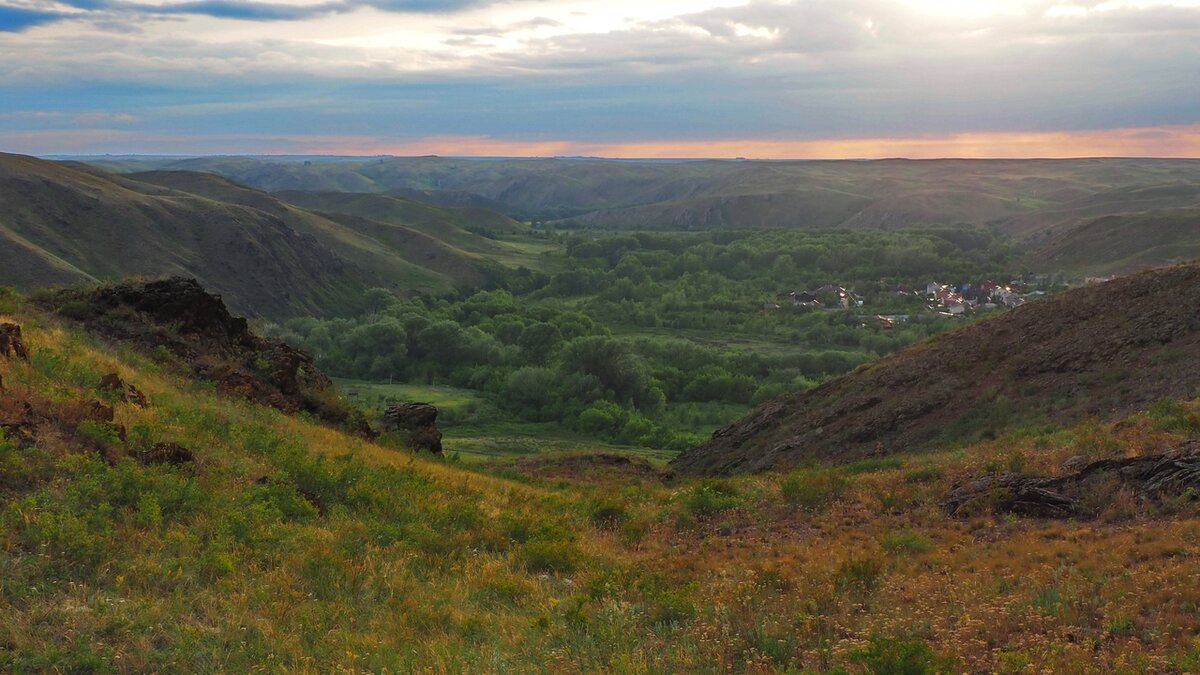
(419, 565)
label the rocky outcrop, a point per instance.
(165, 453)
(1081, 494)
(11, 345)
(176, 317)
(416, 423)
(1103, 351)
(123, 390)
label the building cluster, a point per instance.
(825, 297)
(958, 300)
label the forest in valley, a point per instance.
(654, 339)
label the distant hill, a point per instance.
(1103, 350)
(66, 222)
(1031, 201)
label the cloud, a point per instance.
(601, 72)
(15, 19)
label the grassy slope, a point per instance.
(1102, 350)
(83, 224)
(422, 566)
(412, 245)
(1031, 200)
(61, 223)
(1122, 243)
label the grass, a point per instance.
(355, 557)
(473, 434)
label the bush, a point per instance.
(556, 557)
(710, 497)
(898, 656)
(906, 541)
(10, 301)
(812, 489)
(860, 574)
(607, 515)
(872, 465)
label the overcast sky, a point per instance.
(662, 78)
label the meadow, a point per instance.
(290, 546)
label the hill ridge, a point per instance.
(1102, 351)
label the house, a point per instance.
(934, 288)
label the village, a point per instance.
(948, 300)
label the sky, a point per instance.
(615, 78)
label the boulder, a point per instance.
(165, 453)
(127, 392)
(416, 423)
(11, 345)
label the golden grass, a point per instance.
(399, 576)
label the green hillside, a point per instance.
(62, 223)
(1028, 200)
(201, 532)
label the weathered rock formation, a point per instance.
(165, 453)
(417, 425)
(1081, 494)
(178, 316)
(11, 345)
(125, 391)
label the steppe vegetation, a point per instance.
(354, 556)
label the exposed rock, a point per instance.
(11, 345)
(1081, 494)
(165, 453)
(417, 424)
(18, 422)
(127, 392)
(177, 315)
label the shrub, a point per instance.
(672, 607)
(557, 557)
(812, 489)
(926, 474)
(10, 301)
(861, 574)
(906, 541)
(710, 497)
(101, 434)
(607, 515)
(885, 655)
(872, 465)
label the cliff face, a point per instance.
(1103, 351)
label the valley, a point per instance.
(845, 417)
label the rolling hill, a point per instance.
(1100, 351)
(1031, 201)
(64, 222)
